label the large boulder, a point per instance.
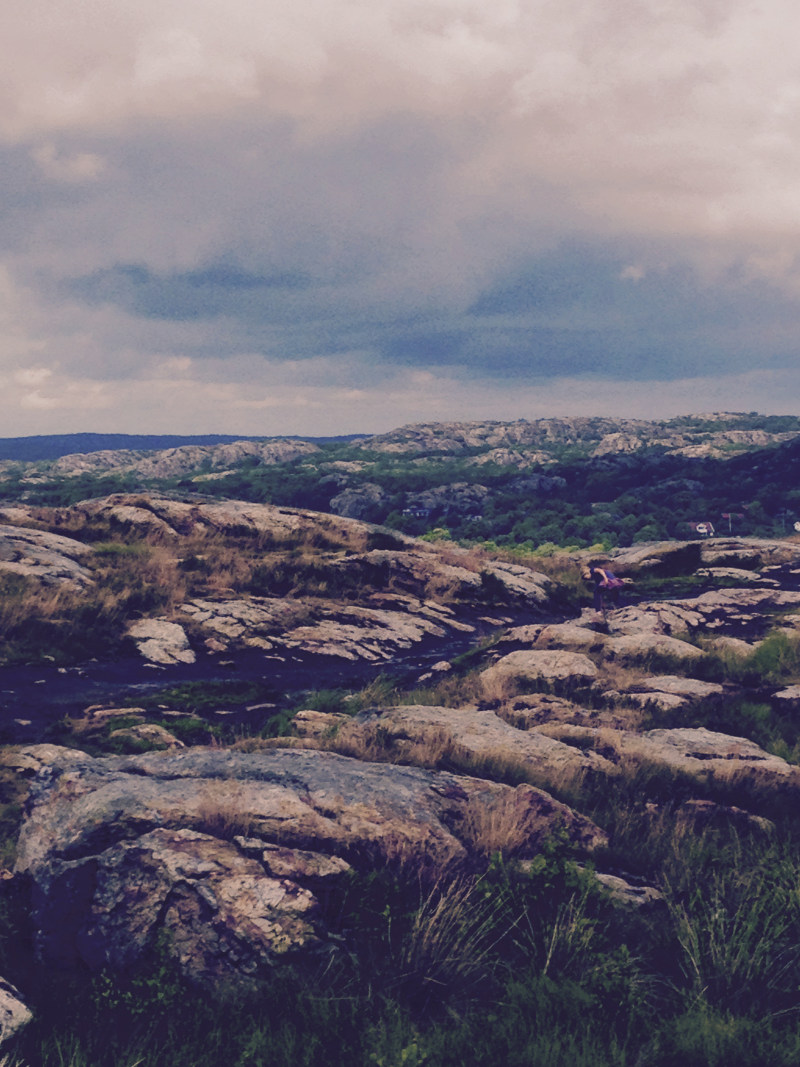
(224, 850)
(536, 666)
(641, 646)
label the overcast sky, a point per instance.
(330, 216)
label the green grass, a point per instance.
(200, 697)
(504, 967)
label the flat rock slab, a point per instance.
(715, 609)
(50, 558)
(161, 641)
(485, 736)
(349, 632)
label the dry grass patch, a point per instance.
(221, 811)
(499, 825)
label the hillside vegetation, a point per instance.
(550, 481)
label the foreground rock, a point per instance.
(14, 1013)
(223, 850)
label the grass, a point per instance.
(519, 966)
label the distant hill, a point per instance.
(53, 446)
(527, 483)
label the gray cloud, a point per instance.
(333, 198)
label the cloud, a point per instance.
(340, 196)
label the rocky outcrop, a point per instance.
(224, 850)
(49, 558)
(352, 633)
(173, 517)
(481, 735)
(176, 462)
(459, 496)
(368, 501)
(700, 752)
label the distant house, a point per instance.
(417, 513)
(705, 529)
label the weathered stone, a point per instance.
(150, 733)
(696, 750)
(302, 866)
(639, 646)
(348, 631)
(538, 665)
(49, 558)
(161, 641)
(484, 737)
(522, 583)
(119, 848)
(223, 916)
(14, 1013)
(629, 895)
(567, 635)
(693, 751)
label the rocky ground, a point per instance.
(232, 849)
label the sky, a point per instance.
(337, 216)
